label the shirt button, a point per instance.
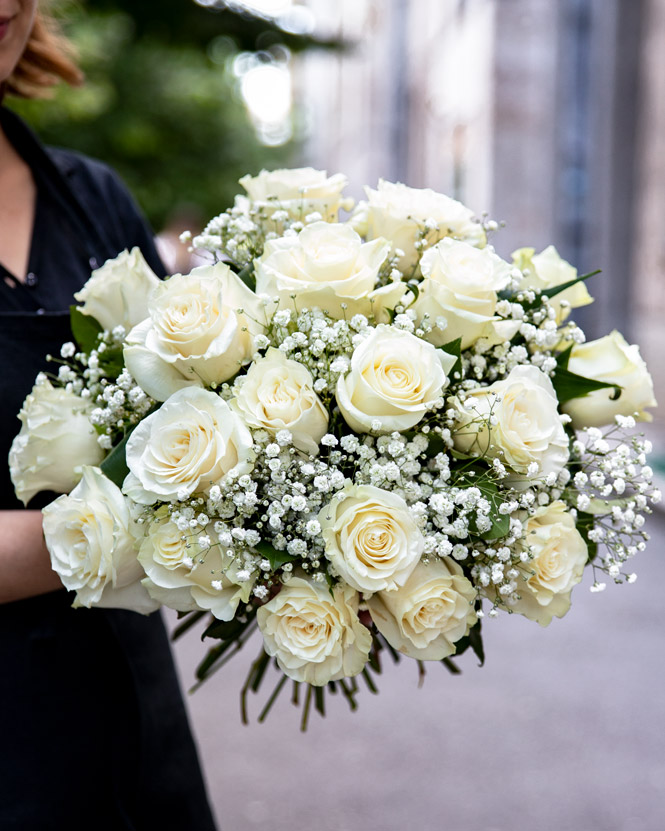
(31, 279)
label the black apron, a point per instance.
(93, 729)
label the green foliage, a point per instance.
(585, 522)
(474, 641)
(568, 385)
(85, 328)
(477, 476)
(160, 105)
(114, 466)
(554, 290)
(454, 348)
(274, 557)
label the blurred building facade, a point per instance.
(549, 116)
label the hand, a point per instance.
(25, 564)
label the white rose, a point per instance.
(429, 613)
(299, 191)
(461, 284)
(55, 440)
(548, 269)
(325, 266)
(370, 538)
(315, 637)
(525, 425)
(193, 441)
(559, 556)
(278, 394)
(614, 361)
(399, 213)
(394, 378)
(117, 293)
(184, 576)
(92, 541)
(196, 334)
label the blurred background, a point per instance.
(550, 116)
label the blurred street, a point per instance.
(562, 730)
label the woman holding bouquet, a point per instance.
(94, 730)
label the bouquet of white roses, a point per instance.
(359, 436)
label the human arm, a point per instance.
(25, 564)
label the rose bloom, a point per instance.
(548, 269)
(184, 576)
(200, 332)
(528, 426)
(460, 285)
(426, 616)
(315, 637)
(92, 541)
(56, 439)
(117, 293)
(193, 441)
(394, 378)
(614, 361)
(399, 213)
(299, 191)
(278, 394)
(370, 538)
(325, 266)
(559, 557)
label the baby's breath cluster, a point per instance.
(99, 378)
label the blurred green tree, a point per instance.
(161, 103)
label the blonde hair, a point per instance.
(46, 60)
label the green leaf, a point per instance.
(454, 348)
(114, 466)
(274, 557)
(247, 276)
(563, 357)
(112, 361)
(476, 642)
(500, 522)
(472, 640)
(319, 700)
(568, 385)
(190, 618)
(85, 328)
(435, 446)
(413, 288)
(585, 522)
(226, 630)
(211, 658)
(451, 666)
(554, 290)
